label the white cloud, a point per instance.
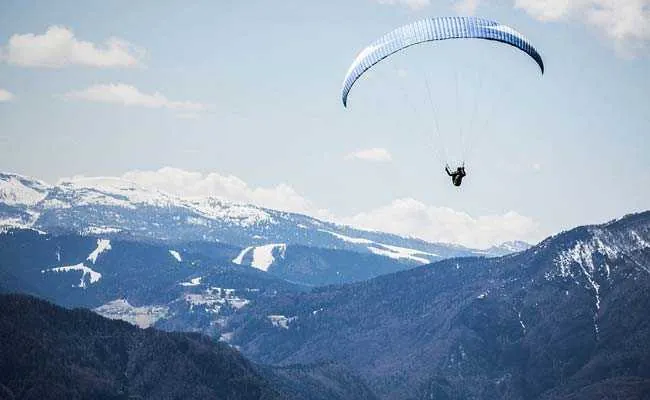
(626, 22)
(58, 47)
(375, 154)
(441, 224)
(412, 4)
(5, 95)
(404, 217)
(128, 95)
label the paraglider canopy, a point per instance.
(433, 29)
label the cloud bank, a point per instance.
(626, 23)
(58, 48)
(411, 217)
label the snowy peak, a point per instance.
(16, 190)
(601, 246)
(109, 192)
(514, 246)
(116, 192)
(592, 256)
(240, 214)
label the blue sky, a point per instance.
(242, 100)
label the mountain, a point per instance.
(562, 319)
(52, 353)
(118, 208)
(566, 319)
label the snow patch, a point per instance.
(240, 258)
(103, 245)
(264, 256)
(94, 276)
(176, 255)
(348, 239)
(193, 282)
(100, 230)
(394, 252)
(400, 253)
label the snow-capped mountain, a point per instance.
(17, 190)
(122, 209)
(514, 246)
(565, 319)
(18, 195)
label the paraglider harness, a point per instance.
(458, 175)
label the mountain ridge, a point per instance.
(553, 321)
(121, 208)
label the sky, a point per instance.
(241, 99)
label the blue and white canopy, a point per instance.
(433, 29)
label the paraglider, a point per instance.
(431, 30)
(456, 176)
